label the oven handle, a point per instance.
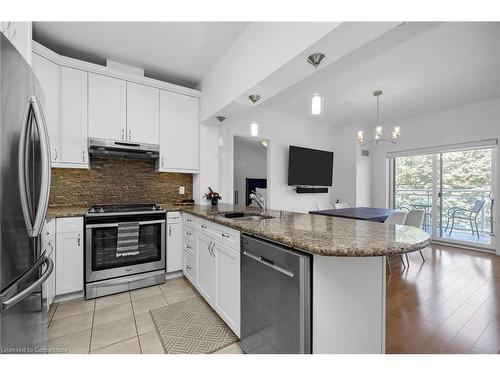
(113, 225)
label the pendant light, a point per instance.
(221, 140)
(315, 60)
(396, 132)
(254, 126)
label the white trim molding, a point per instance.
(486, 143)
(106, 71)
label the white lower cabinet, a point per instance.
(217, 269)
(227, 285)
(49, 246)
(205, 267)
(69, 255)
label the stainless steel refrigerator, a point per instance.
(24, 195)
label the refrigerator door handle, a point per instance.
(41, 210)
(23, 144)
(44, 260)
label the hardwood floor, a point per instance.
(449, 304)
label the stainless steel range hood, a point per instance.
(123, 149)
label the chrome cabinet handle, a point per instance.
(55, 151)
(78, 239)
(208, 247)
(130, 135)
(188, 246)
(189, 220)
(123, 134)
(188, 266)
(203, 226)
(268, 263)
(83, 155)
(170, 231)
(225, 235)
(213, 252)
(162, 161)
(188, 233)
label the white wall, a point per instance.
(209, 166)
(282, 131)
(250, 161)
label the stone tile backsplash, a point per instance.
(117, 181)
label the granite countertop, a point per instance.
(323, 235)
(315, 234)
(55, 212)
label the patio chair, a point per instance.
(470, 214)
(398, 218)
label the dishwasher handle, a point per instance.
(268, 263)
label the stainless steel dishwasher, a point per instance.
(275, 298)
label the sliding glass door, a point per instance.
(454, 188)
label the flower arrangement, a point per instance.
(212, 196)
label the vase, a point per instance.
(215, 201)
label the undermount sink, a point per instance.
(248, 216)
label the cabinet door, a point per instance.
(69, 266)
(107, 107)
(74, 116)
(179, 133)
(143, 114)
(47, 74)
(227, 285)
(174, 248)
(205, 267)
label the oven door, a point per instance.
(102, 260)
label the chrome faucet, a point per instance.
(259, 199)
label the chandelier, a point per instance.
(396, 132)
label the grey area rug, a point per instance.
(191, 327)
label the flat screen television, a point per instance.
(309, 167)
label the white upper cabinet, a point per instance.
(179, 133)
(107, 107)
(143, 113)
(47, 74)
(74, 116)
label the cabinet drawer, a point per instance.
(189, 246)
(188, 233)
(69, 225)
(189, 267)
(189, 220)
(174, 215)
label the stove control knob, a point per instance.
(101, 210)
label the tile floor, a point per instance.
(116, 324)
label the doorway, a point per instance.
(455, 188)
(250, 169)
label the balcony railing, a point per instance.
(463, 198)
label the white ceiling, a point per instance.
(176, 52)
(421, 68)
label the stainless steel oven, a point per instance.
(124, 248)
